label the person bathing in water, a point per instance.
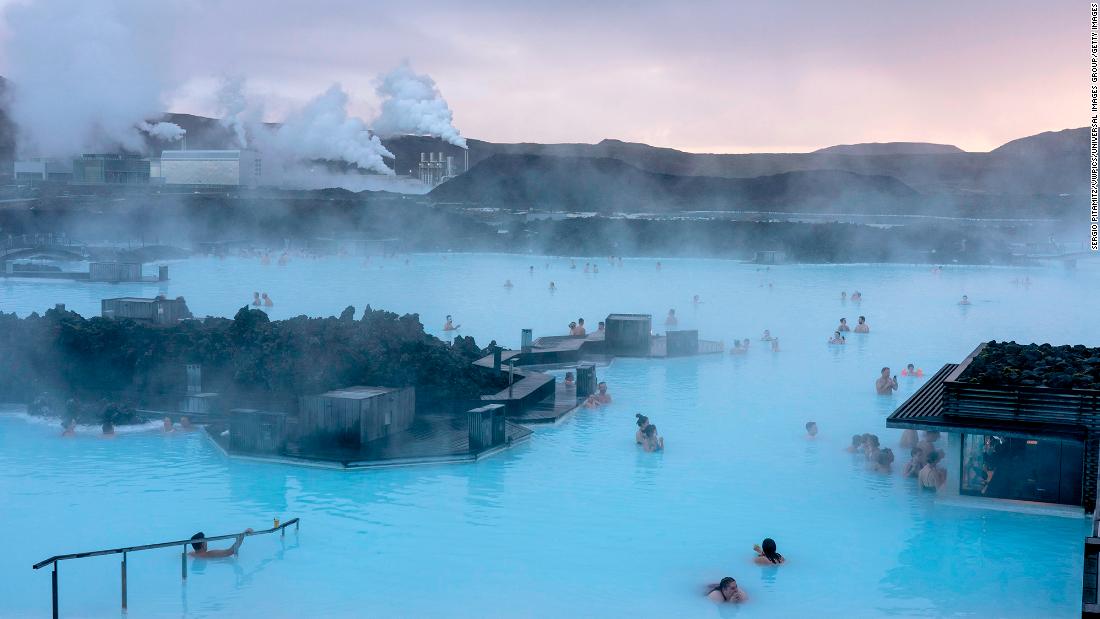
(767, 337)
(965, 300)
(671, 320)
(912, 371)
(256, 299)
(653, 441)
(766, 554)
(843, 326)
(267, 300)
(775, 344)
(601, 395)
(885, 384)
(737, 349)
(726, 591)
(837, 338)
(862, 326)
(508, 283)
(643, 423)
(811, 429)
(450, 325)
(202, 552)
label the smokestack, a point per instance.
(423, 157)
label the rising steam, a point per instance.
(411, 103)
(169, 132)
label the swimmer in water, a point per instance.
(256, 299)
(767, 337)
(695, 300)
(670, 319)
(267, 300)
(857, 296)
(531, 270)
(595, 268)
(643, 423)
(658, 265)
(581, 331)
(932, 477)
(811, 429)
(912, 371)
(508, 283)
(843, 295)
(965, 300)
(601, 327)
(69, 427)
(861, 326)
(857, 444)
(726, 592)
(450, 325)
(553, 287)
(168, 425)
(871, 447)
(775, 344)
(201, 551)
(745, 343)
(837, 338)
(885, 384)
(766, 554)
(915, 464)
(602, 396)
(737, 349)
(569, 381)
(908, 439)
(185, 422)
(884, 460)
(108, 428)
(572, 328)
(843, 325)
(653, 441)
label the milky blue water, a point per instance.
(577, 521)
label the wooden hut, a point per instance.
(114, 272)
(628, 334)
(353, 416)
(255, 431)
(486, 426)
(161, 310)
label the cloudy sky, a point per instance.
(700, 76)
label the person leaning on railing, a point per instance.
(201, 552)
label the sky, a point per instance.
(702, 76)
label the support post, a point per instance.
(124, 581)
(183, 563)
(511, 376)
(55, 615)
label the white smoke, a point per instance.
(234, 104)
(411, 103)
(82, 73)
(169, 132)
(323, 130)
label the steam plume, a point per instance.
(411, 103)
(233, 103)
(82, 74)
(169, 132)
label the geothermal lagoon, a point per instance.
(577, 521)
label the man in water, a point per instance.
(449, 325)
(580, 327)
(670, 320)
(886, 384)
(601, 327)
(168, 424)
(256, 299)
(202, 552)
(811, 429)
(602, 396)
(843, 325)
(861, 326)
(965, 300)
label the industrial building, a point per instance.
(111, 169)
(239, 168)
(159, 311)
(435, 168)
(58, 170)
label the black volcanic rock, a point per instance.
(610, 185)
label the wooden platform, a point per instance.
(433, 439)
(551, 409)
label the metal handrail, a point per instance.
(54, 560)
(112, 551)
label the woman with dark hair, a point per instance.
(766, 554)
(725, 591)
(653, 442)
(643, 423)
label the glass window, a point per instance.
(1026, 469)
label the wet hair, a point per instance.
(722, 585)
(843, 320)
(642, 419)
(650, 431)
(885, 368)
(909, 366)
(197, 545)
(580, 321)
(886, 456)
(810, 424)
(857, 440)
(873, 439)
(768, 546)
(862, 318)
(933, 457)
(448, 316)
(916, 451)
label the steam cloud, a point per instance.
(82, 75)
(323, 130)
(233, 103)
(169, 132)
(411, 103)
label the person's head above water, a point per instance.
(727, 587)
(650, 431)
(843, 321)
(862, 320)
(933, 457)
(910, 367)
(886, 371)
(580, 322)
(196, 542)
(602, 387)
(448, 318)
(857, 440)
(767, 547)
(643, 421)
(811, 428)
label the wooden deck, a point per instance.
(551, 409)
